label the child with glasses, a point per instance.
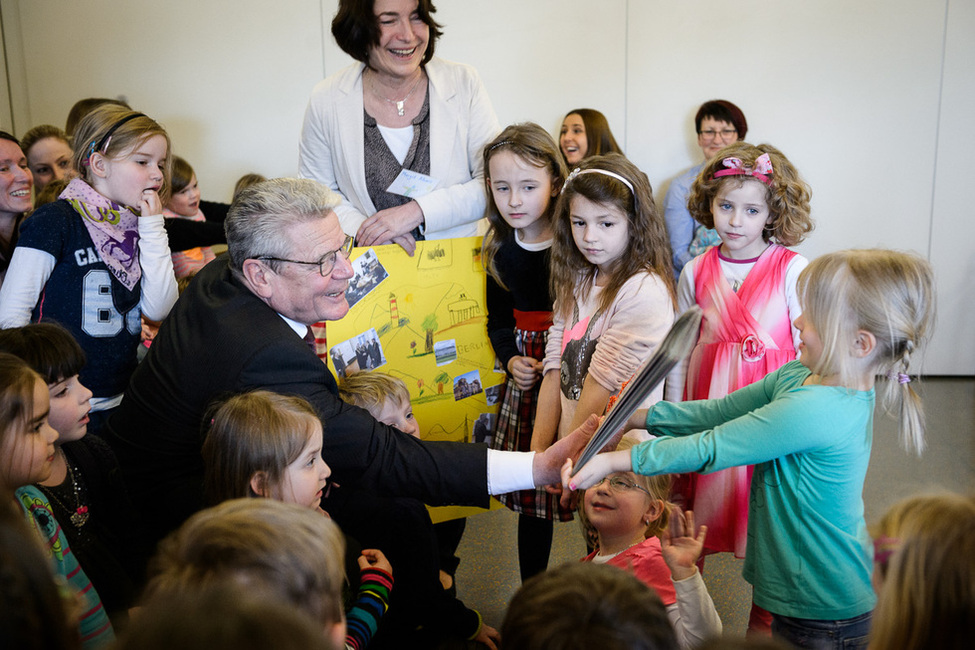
(636, 532)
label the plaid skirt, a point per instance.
(516, 418)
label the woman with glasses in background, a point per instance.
(718, 123)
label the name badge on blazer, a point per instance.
(412, 184)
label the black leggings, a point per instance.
(534, 545)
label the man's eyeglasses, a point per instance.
(620, 484)
(724, 133)
(325, 264)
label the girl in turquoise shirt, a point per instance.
(807, 428)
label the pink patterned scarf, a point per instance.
(114, 229)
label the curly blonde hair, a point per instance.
(787, 195)
(648, 249)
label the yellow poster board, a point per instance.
(423, 320)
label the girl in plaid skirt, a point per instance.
(524, 172)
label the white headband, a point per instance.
(604, 172)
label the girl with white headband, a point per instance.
(612, 281)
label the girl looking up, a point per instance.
(98, 259)
(640, 532)
(807, 428)
(614, 293)
(754, 199)
(184, 203)
(26, 453)
(524, 173)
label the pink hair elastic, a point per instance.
(735, 167)
(902, 378)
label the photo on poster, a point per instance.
(467, 384)
(368, 274)
(445, 351)
(491, 394)
(483, 430)
(362, 352)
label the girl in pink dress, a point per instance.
(753, 197)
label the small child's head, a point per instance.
(928, 592)
(184, 195)
(84, 106)
(585, 132)
(761, 181)
(867, 312)
(246, 181)
(52, 352)
(626, 503)
(222, 617)
(48, 152)
(262, 444)
(50, 193)
(523, 173)
(26, 438)
(384, 396)
(288, 553)
(584, 605)
(914, 517)
(135, 147)
(606, 221)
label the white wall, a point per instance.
(868, 99)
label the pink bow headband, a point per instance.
(762, 170)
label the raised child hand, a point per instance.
(679, 546)
(374, 558)
(150, 204)
(524, 371)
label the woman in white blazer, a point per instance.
(398, 109)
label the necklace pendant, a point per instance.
(399, 108)
(80, 517)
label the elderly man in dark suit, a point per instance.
(242, 324)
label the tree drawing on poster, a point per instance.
(422, 319)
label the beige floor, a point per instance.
(488, 574)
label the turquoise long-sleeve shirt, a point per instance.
(809, 554)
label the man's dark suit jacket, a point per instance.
(220, 339)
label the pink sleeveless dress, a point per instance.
(744, 336)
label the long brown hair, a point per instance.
(535, 146)
(649, 246)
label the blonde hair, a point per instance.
(371, 391)
(254, 432)
(294, 552)
(246, 181)
(658, 487)
(787, 195)
(928, 596)
(648, 249)
(886, 293)
(533, 145)
(113, 131)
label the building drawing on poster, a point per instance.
(422, 319)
